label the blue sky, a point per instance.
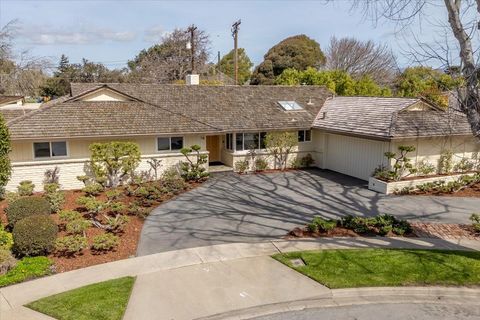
(114, 31)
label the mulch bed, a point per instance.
(472, 192)
(128, 239)
(420, 229)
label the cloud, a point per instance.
(46, 35)
(155, 34)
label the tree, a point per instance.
(462, 24)
(280, 145)
(297, 52)
(114, 160)
(361, 58)
(85, 72)
(425, 82)
(227, 65)
(5, 148)
(337, 81)
(20, 74)
(170, 60)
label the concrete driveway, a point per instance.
(251, 208)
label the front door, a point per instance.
(213, 147)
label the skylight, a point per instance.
(290, 105)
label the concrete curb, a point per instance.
(361, 296)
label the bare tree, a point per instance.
(170, 60)
(362, 58)
(462, 24)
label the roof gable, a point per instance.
(102, 93)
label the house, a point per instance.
(14, 106)
(344, 134)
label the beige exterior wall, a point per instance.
(25, 167)
(430, 149)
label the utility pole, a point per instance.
(192, 29)
(235, 28)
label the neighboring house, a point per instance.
(14, 106)
(11, 100)
(345, 134)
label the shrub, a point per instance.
(295, 163)
(105, 242)
(69, 215)
(83, 179)
(261, 164)
(402, 165)
(116, 207)
(34, 235)
(445, 162)
(7, 261)
(25, 207)
(70, 245)
(5, 148)
(11, 196)
(324, 224)
(92, 205)
(424, 168)
(6, 239)
(241, 166)
(280, 145)
(357, 224)
(93, 189)
(54, 196)
(307, 161)
(193, 169)
(401, 227)
(113, 194)
(52, 176)
(172, 181)
(25, 188)
(464, 165)
(77, 226)
(117, 223)
(142, 192)
(114, 161)
(475, 218)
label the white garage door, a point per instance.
(354, 156)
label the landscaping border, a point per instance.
(391, 186)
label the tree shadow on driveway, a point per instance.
(251, 208)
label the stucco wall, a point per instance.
(25, 167)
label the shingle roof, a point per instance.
(107, 118)
(9, 99)
(387, 118)
(173, 109)
(10, 114)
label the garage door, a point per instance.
(354, 156)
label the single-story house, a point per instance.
(344, 134)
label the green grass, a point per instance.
(27, 268)
(100, 301)
(384, 267)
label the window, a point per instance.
(290, 105)
(304, 135)
(229, 141)
(50, 149)
(169, 143)
(247, 141)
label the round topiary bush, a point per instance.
(34, 235)
(7, 261)
(26, 207)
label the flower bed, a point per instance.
(145, 196)
(389, 187)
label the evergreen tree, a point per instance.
(5, 148)
(227, 65)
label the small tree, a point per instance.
(280, 145)
(401, 165)
(114, 160)
(5, 148)
(193, 169)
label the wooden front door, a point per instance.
(213, 147)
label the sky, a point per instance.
(112, 32)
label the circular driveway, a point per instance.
(251, 208)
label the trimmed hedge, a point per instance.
(34, 235)
(26, 207)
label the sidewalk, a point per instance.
(12, 298)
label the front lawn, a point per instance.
(105, 300)
(387, 267)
